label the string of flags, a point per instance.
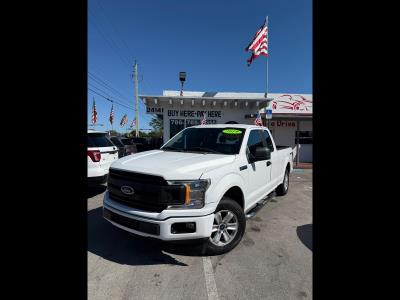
(133, 124)
(123, 122)
(94, 113)
(111, 118)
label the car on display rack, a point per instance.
(101, 153)
(202, 184)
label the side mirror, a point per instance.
(262, 153)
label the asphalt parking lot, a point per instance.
(273, 260)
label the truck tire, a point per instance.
(283, 188)
(228, 227)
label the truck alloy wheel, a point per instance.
(286, 181)
(228, 227)
(283, 188)
(225, 227)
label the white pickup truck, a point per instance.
(201, 184)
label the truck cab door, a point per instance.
(257, 175)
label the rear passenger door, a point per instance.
(257, 175)
(276, 166)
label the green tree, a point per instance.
(157, 124)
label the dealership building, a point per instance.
(291, 121)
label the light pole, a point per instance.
(182, 78)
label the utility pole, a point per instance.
(136, 99)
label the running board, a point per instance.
(260, 205)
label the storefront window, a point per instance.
(303, 137)
(175, 125)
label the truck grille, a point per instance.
(151, 193)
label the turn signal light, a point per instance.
(187, 194)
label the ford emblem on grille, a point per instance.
(127, 190)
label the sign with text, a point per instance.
(268, 113)
(283, 123)
(154, 110)
(194, 113)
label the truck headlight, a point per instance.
(195, 191)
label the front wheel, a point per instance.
(283, 188)
(228, 227)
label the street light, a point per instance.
(182, 78)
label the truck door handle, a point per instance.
(269, 163)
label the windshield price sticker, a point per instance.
(231, 131)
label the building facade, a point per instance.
(291, 121)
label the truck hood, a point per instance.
(172, 165)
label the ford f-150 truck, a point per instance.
(202, 183)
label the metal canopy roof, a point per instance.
(174, 96)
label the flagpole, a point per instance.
(266, 95)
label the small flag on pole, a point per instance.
(94, 113)
(133, 124)
(124, 120)
(259, 44)
(258, 120)
(204, 121)
(112, 114)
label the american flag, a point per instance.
(124, 120)
(94, 113)
(112, 114)
(258, 120)
(133, 124)
(204, 121)
(259, 44)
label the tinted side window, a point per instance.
(255, 140)
(126, 142)
(98, 140)
(117, 142)
(268, 140)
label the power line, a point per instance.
(115, 29)
(110, 41)
(105, 84)
(110, 99)
(108, 93)
(93, 86)
(143, 115)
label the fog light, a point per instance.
(187, 227)
(191, 226)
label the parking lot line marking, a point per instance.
(212, 292)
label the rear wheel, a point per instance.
(228, 227)
(283, 188)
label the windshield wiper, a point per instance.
(203, 149)
(172, 148)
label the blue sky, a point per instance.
(204, 38)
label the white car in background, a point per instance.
(101, 153)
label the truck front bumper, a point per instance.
(169, 229)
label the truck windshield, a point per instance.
(209, 140)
